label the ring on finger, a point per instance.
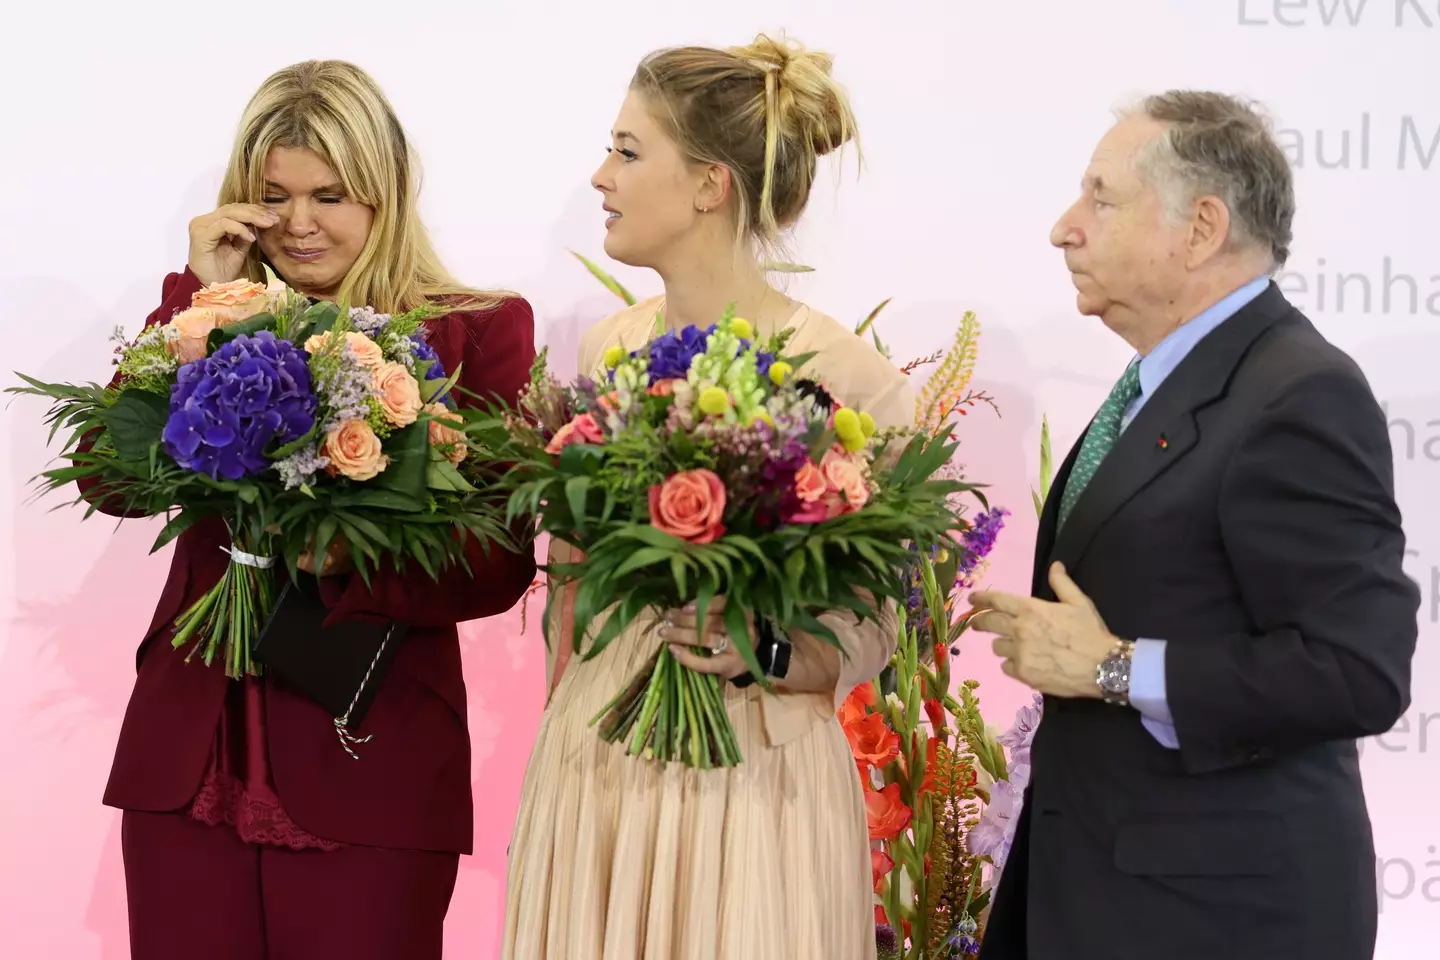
(722, 646)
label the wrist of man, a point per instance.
(1112, 674)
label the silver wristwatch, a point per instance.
(1112, 676)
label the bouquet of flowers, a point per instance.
(705, 465)
(299, 424)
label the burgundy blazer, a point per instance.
(410, 789)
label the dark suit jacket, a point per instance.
(1247, 516)
(411, 787)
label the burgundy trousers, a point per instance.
(200, 891)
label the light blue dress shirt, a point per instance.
(1147, 669)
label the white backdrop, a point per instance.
(977, 120)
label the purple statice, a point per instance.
(301, 466)
(422, 351)
(365, 320)
(346, 386)
(977, 542)
(228, 408)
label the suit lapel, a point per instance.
(1165, 428)
(1049, 517)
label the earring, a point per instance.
(704, 209)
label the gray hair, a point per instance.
(1221, 146)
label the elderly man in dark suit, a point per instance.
(1218, 609)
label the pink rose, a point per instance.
(399, 394)
(449, 441)
(354, 450)
(583, 429)
(689, 505)
(367, 351)
(846, 473)
(234, 301)
(192, 328)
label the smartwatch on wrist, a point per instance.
(773, 652)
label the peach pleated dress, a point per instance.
(620, 858)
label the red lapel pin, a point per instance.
(1162, 443)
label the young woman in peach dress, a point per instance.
(617, 857)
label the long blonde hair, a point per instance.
(766, 111)
(337, 110)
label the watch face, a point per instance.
(1114, 675)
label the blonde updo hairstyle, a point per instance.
(765, 111)
(337, 110)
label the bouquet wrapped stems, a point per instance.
(668, 712)
(230, 615)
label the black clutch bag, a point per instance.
(340, 667)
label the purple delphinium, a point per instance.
(977, 542)
(422, 351)
(228, 408)
(962, 941)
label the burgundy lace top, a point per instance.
(237, 790)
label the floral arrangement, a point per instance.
(943, 790)
(705, 465)
(303, 425)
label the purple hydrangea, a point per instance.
(422, 351)
(672, 352)
(228, 408)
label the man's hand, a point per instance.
(1054, 648)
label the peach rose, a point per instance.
(886, 813)
(399, 394)
(367, 351)
(192, 328)
(583, 429)
(809, 483)
(845, 473)
(610, 401)
(663, 388)
(689, 505)
(451, 442)
(234, 301)
(354, 450)
(872, 740)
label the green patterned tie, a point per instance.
(1103, 433)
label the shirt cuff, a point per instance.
(1147, 691)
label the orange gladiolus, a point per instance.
(872, 741)
(886, 813)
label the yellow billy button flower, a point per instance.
(847, 427)
(867, 425)
(714, 401)
(741, 328)
(779, 370)
(613, 356)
